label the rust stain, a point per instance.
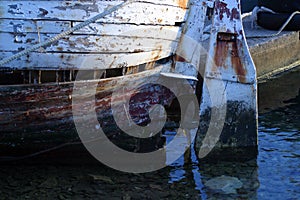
(156, 55)
(237, 64)
(179, 58)
(183, 3)
(221, 52)
(222, 8)
(150, 65)
(138, 51)
(227, 55)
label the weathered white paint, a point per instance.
(189, 48)
(232, 27)
(228, 109)
(56, 27)
(33, 26)
(179, 76)
(149, 30)
(131, 30)
(135, 13)
(51, 61)
(85, 44)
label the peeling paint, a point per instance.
(221, 9)
(227, 46)
(43, 12)
(232, 74)
(113, 34)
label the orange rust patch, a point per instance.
(237, 64)
(183, 3)
(227, 56)
(221, 53)
(150, 65)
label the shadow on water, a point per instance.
(274, 174)
(187, 178)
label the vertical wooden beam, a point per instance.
(228, 109)
(39, 77)
(70, 75)
(56, 76)
(187, 60)
(29, 76)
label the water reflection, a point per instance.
(274, 174)
(216, 180)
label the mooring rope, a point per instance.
(287, 22)
(60, 146)
(63, 34)
(253, 17)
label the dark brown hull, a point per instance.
(42, 114)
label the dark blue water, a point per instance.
(279, 154)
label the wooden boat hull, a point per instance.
(43, 113)
(36, 89)
(139, 36)
(137, 33)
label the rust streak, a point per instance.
(237, 64)
(221, 52)
(227, 55)
(156, 55)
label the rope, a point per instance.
(63, 34)
(286, 23)
(13, 158)
(254, 18)
(17, 158)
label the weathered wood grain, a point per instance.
(85, 44)
(26, 106)
(56, 27)
(140, 32)
(130, 30)
(33, 26)
(50, 61)
(135, 13)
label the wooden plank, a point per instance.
(130, 30)
(42, 105)
(31, 26)
(179, 3)
(56, 27)
(45, 61)
(135, 13)
(85, 43)
(190, 45)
